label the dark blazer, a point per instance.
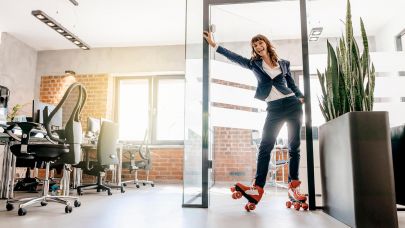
(283, 82)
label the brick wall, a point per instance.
(234, 154)
(97, 86)
(167, 166)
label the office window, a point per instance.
(403, 42)
(400, 39)
(153, 103)
(133, 109)
(170, 109)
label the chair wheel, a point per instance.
(144, 184)
(9, 207)
(68, 209)
(22, 211)
(137, 186)
(153, 185)
(79, 192)
(109, 193)
(77, 203)
(43, 203)
(122, 190)
(124, 184)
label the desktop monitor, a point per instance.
(37, 113)
(4, 95)
(93, 125)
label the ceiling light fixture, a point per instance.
(315, 33)
(59, 28)
(70, 72)
(74, 2)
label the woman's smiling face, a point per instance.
(260, 47)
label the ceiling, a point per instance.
(99, 23)
(122, 23)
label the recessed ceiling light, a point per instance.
(59, 28)
(313, 38)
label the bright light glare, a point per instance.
(170, 110)
(133, 109)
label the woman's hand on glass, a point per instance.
(208, 37)
(302, 100)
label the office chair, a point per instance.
(275, 164)
(63, 147)
(144, 162)
(106, 157)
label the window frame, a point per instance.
(153, 82)
(400, 45)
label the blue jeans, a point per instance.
(287, 110)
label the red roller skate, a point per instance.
(253, 194)
(296, 199)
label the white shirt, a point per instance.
(274, 93)
(272, 72)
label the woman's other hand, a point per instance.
(208, 37)
(302, 100)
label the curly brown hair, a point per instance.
(270, 49)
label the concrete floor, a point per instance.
(161, 207)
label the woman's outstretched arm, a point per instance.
(240, 60)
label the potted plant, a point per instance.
(354, 143)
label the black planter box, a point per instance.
(356, 170)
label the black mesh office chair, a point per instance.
(139, 159)
(63, 147)
(107, 156)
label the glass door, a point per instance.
(219, 95)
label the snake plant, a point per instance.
(349, 78)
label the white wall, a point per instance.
(385, 38)
(17, 70)
(115, 61)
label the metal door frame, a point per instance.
(206, 163)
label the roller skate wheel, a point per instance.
(297, 206)
(251, 206)
(247, 208)
(288, 204)
(305, 206)
(236, 195)
(233, 189)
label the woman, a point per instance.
(284, 104)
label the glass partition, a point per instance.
(192, 172)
